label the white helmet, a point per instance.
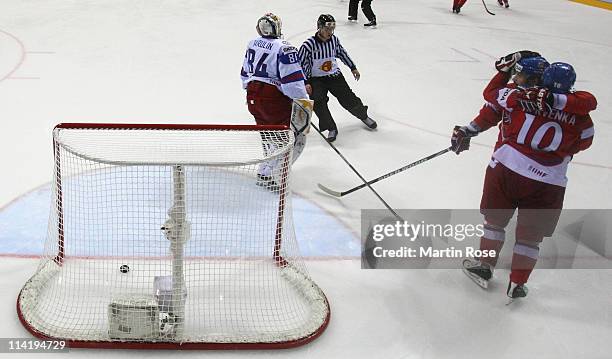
(269, 25)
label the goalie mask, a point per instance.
(269, 26)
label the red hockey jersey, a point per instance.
(537, 144)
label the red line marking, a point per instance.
(21, 59)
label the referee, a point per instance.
(318, 58)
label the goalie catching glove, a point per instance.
(460, 140)
(506, 63)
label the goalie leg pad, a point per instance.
(298, 147)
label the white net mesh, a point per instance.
(172, 236)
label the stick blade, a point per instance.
(329, 191)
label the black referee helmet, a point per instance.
(326, 20)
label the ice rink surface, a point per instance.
(423, 70)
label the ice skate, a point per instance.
(267, 182)
(500, 2)
(506, 5)
(456, 10)
(516, 291)
(370, 123)
(479, 272)
(352, 19)
(370, 25)
(331, 135)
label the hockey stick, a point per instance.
(357, 173)
(413, 164)
(486, 8)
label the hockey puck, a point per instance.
(124, 268)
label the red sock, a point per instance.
(524, 260)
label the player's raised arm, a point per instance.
(512, 65)
(528, 73)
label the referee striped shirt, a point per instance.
(318, 58)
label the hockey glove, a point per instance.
(506, 63)
(540, 98)
(460, 140)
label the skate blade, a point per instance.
(511, 300)
(484, 284)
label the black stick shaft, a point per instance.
(387, 175)
(358, 174)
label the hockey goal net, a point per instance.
(165, 236)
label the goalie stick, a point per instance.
(357, 173)
(486, 8)
(387, 175)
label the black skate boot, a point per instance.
(516, 290)
(506, 4)
(370, 25)
(267, 182)
(352, 19)
(331, 135)
(479, 272)
(370, 123)
(500, 2)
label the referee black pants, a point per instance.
(337, 86)
(366, 6)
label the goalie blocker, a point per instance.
(301, 114)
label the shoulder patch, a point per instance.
(288, 49)
(289, 55)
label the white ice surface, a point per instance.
(423, 71)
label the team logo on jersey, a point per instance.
(327, 66)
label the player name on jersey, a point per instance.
(263, 44)
(552, 113)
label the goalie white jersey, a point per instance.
(276, 62)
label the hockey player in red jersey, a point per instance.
(540, 131)
(581, 102)
(457, 4)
